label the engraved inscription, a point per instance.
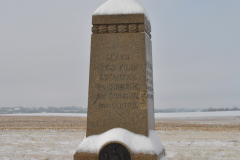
(101, 96)
(114, 67)
(149, 88)
(106, 67)
(143, 100)
(117, 89)
(118, 86)
(123, 95)
(117, 77)
(150, 96)
(118, 95)
(116, 56)
(149, 74)
(117, 105)
(127, 67)
(149, 65)
(150, 81)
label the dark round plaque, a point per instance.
(114, 151)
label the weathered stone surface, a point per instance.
(120, 83)
(85, 156)
(142, 156)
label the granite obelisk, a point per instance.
(120, 85)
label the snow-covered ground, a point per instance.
(185, 136)
(39, 144)
(62, 144)
(199, 145)
(198, 114)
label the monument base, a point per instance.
(85, 156)
(139, 156)
(119, 143)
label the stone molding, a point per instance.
(129, 23)
(120, 28)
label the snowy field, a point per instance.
(198, 114)
(198, 135)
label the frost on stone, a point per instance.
(135, 142)
(113, 7)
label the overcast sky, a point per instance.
(45, 52)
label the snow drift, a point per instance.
(136, 143)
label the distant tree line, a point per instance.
(221, 109)
(50, 109)
(172, 110)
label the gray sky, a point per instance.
(45, 51)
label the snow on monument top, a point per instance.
(113, 7)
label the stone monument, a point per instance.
(120, 88)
